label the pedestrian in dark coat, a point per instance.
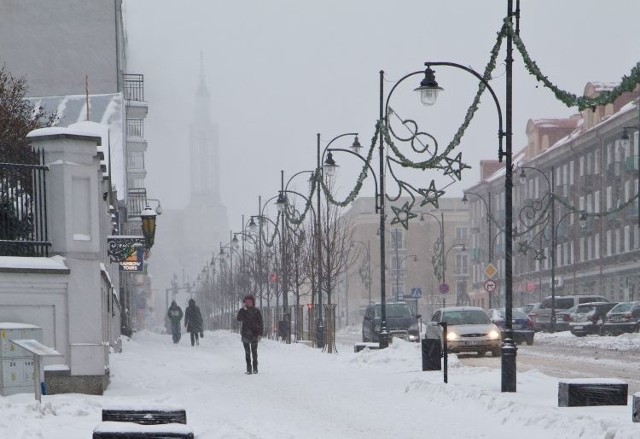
(252, 329)
(193, 321)
(175, 315)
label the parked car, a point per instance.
(521, 324)
(562, 303)
(468, 330)
(589, 317)
(531, 310)
(401, 322)
(624, 317)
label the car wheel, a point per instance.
(481, 353)
(529, 341)
(607, 332)
(496, 352)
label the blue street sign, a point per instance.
(416, 293)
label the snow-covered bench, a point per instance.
(147, 414)
(592, 391)
(364, 345)
(131, 430)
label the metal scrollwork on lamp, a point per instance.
(121, 247)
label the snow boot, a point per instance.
(255, 368)
(248, 369)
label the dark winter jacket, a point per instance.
(252, 326)
(193, 318)
(175, 313)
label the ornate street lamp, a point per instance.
(148, 216)
(428, 88)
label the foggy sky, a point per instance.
(281, 71)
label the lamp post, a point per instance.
(459, 300)
(509, 349)
(330, 167)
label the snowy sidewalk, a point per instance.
(303, 393)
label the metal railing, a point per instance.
(136, 201)
(135, 128)
(133, 84)
(23, 209)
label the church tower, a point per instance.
(204, 150)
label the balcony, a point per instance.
(136, 202)
(133, 91)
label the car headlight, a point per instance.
(493, 334)
(452, 336)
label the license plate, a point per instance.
(517, 326)
(577, 327)
(471, 342)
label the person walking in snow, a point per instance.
(175, 315)
(252, 328)
(193, 321)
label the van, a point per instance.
(401, 322)
(562, 303)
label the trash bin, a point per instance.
(320, 340)
(431, 354)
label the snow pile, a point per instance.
(303, 392)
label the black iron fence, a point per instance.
(23, 209)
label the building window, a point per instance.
(627, 239)
(609, 243)
(461, 233)
(596, 202)
(617, 241)
(596, 163)
(596, 247)
(462, 264)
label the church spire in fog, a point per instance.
(204, 149)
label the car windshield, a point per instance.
(466, 317)
(395, 310)
(515, 314)
(622, 307)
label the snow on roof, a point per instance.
(105, 110)
(11, 325)
(603, 86)
(29, 263)
(54, 131)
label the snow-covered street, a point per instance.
(304, 393)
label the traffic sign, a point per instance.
(416, 293)
(444, 288)
(490, 270)
(490, 286)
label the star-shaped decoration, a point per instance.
(431, 195)
(455, 166)
(523, 247)
(540, 255)
(403, 214)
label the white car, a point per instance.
(468, 330)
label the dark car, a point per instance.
(531, 310)
(589, 317)
(521, 324)
(624, 317)
(468, 330)
(401, 322)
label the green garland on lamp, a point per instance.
(363, 175)
(627, 83)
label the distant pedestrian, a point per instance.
(193, 321)
(175, 315)
(252, 328)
